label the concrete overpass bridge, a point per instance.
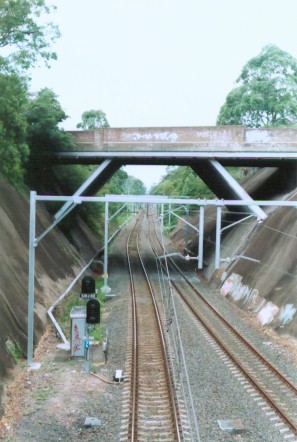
(208, 150)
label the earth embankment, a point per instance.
(258, 266)
(57, 261)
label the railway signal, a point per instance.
(93, 311)
(88, 288)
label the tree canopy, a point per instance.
(44, 113)
(23, 40)
(267, 92)
(70, 177)
(182, 181)
(93, 119)
(14, 150)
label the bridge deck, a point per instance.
(206, 149)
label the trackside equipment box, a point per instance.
(78, 331)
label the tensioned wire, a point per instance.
(162, 283)
(180, 346)
(169, 323)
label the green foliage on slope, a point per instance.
(44, 114)
(14, 150)
(70, 178)
(24, 40)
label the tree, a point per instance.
(134, 186)
(267, 92)
(23, 40)
(70, 177)
(182, 181)
(44, 113)
(93, 119)
(14, 150)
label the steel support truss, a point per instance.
(138, 199)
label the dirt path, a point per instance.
(52, 403)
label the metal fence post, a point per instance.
(31, 282)
(105, 287)
(187, 230)
(201, 238)
(218, 237)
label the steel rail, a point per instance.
(173, 402)
(134, 374)
(267, 397)
(238, 335)
(292, 387)
(194, 424)
(132, 432)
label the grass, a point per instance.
(43, 394)
(14, 350)
(97, 333)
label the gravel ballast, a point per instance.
(52, 404)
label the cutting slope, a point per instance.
(258, 268)
(56, 263)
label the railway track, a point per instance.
(150, 407)
(269, 384)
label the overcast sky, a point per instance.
(158, 62)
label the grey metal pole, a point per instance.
(31, 282)
(201, 238)
(162, 217)
(218, 237)
(105, 287)
(86, 365)
(187, 231)
(169, 220)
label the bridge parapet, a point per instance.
(210, 138)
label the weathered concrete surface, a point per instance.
(211, 138)
(267, 288)
(56, 264)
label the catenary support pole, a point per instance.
(31, 282)
(187, 230)
(218, 237)
(201, 238)
(162, 217)
(169, 216)
(105, 287)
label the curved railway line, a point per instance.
(150, 406)
(268, 382)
